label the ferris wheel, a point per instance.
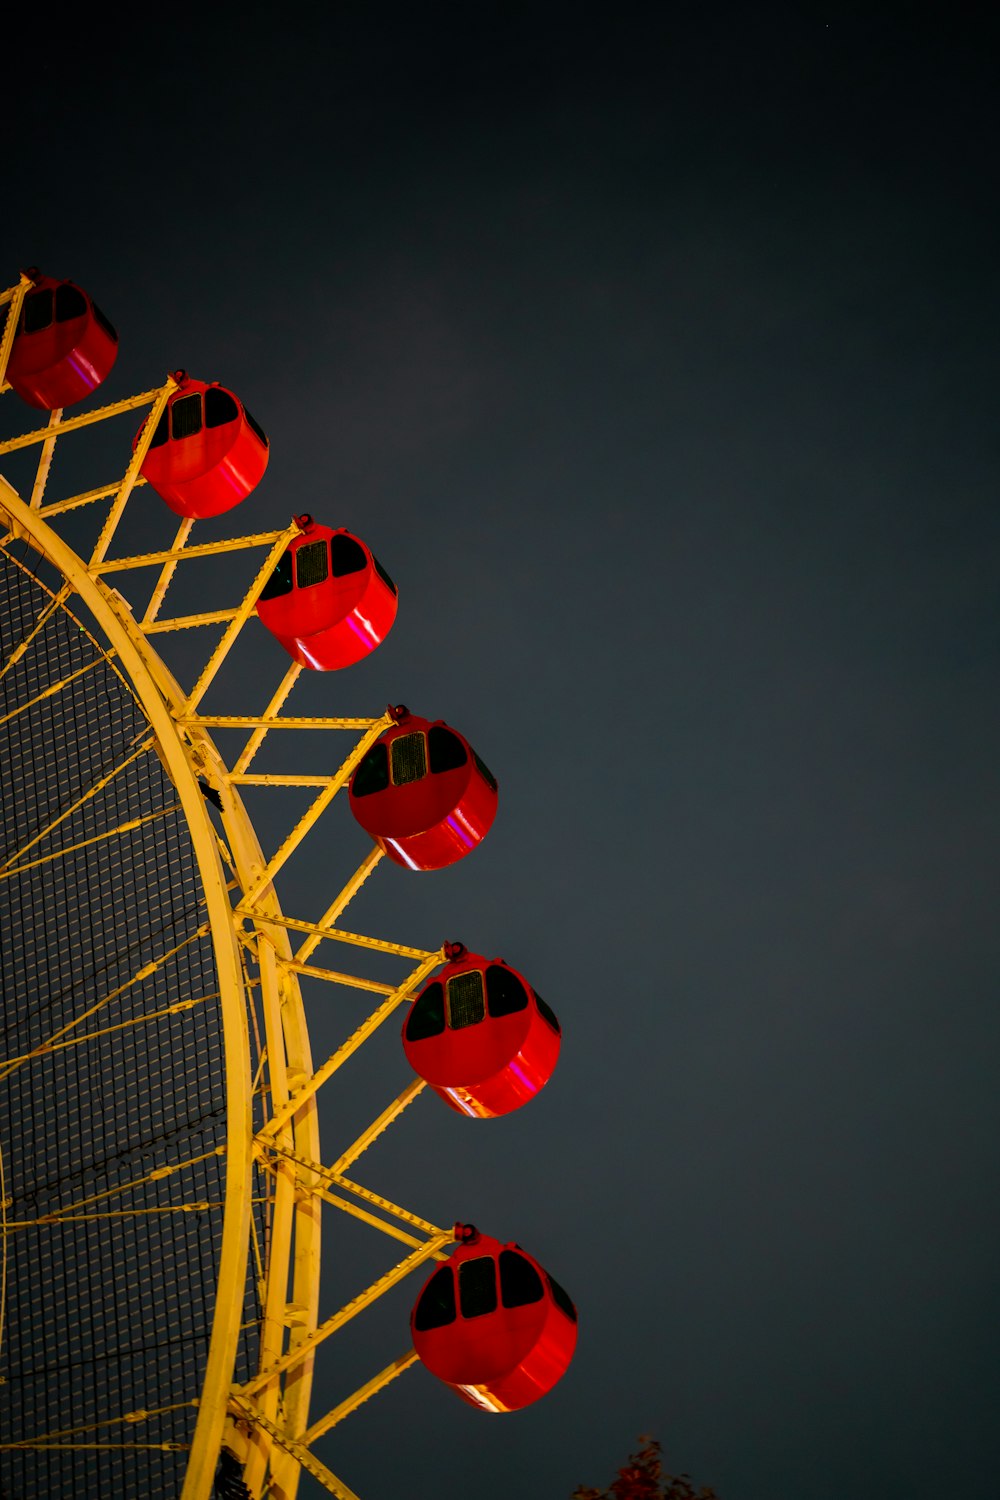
(161, 1175)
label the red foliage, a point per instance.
(642, 1478)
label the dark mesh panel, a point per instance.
(185, 416)
(108, 1311)
(477, 1287)
(311, 565)
(409, 758)
(465, 1000)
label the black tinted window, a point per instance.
(409, 759)
(220, 407)
(310, 564)
(504, 992)
(384, 575)
(38, 310)
(280, 581)
(427, 1016)
(436, 1307)
(561, 1299)
(465, 1000)
(106, 323)
(547, 1013)
(372, 774)
(477, 1287)
(520, 1283)
(185, 416)
(70, 303)
(255, 427)
(446, 749)
(485, 772)
(346, 555)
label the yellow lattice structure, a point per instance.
(260, 954)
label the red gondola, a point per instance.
(207, 452)
(480, 1036)
(64, 345)
(509, 1333)
(329, 601)
(423, 794)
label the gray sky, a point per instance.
(654, 358)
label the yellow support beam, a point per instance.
(45, 460)
(88, 418)
(360, 1396)
(341, 901)
(308, 1461)
(167, 572)
(375, 1129)
(255, 741)
(336, 1059)
(243, 614)
(15, 296)
(350, 1310)
(315, 812)
(182, 553)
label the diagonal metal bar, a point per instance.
(86, 419)
(243, 614)
(40, 624)
(319, 806)
(375, 1129)
(144, 973)
(131, 473)
(355, 1040)
(92, 792)
(308, 1461)
(10, 871)
(167, 571)
(280, 696)
(15, 296)
(360, 1396)
(347, 1312)
(52, 689)
(45, 460)
(341, 901)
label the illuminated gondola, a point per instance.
(423, 793)
(480, 1036)
(329, 601)
(493, 1325)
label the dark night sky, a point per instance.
(654, 355)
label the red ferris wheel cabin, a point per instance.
(64, 346)
(493, 1325)
(480, 1036)
(423, 794)
(207, 452)
(329, 601)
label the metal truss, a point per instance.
(261, 953)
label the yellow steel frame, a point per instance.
(266, 1421)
